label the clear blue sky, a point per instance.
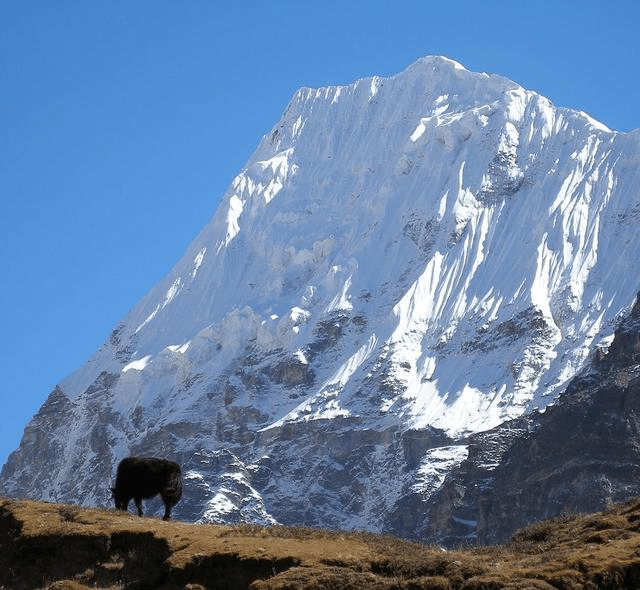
(122, 122)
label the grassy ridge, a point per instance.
(55, 546)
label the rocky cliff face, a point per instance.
(580, 453)
(378, 323)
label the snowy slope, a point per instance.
(434, 253)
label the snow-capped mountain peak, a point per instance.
(438, 252)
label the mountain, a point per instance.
(403, 288)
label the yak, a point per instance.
(145, 477)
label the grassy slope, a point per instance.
(45, 545)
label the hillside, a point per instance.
(55, 546)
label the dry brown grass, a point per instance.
(62, 547)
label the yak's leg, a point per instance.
(168, 497)
(167, 512)
(139, 506)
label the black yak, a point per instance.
(143, 477)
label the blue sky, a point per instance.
(123, 122)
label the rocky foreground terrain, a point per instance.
(55, 546)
